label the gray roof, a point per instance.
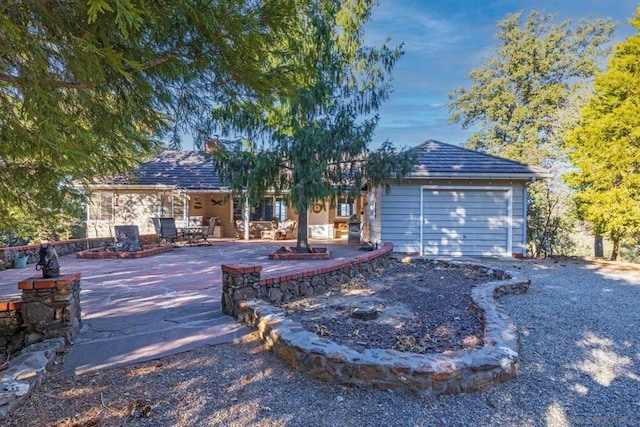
(437, 159)
(191, 170)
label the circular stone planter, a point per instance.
(101, 253)
(285, 253)
(431, 374)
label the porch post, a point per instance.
(246, 212)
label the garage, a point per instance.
(475, 221)
(454, 202)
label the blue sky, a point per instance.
(443, 41)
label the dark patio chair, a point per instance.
(166, 231)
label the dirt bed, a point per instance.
(422, 307)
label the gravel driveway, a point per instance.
(580, 352)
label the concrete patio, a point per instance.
(142, 309)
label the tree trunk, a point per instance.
(616, 247)
(303, 229)
(598, 248)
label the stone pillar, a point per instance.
(11, 329)
(51, 307)
(239, 283)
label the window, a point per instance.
(180, 204)
(237, 208)
(344, 208)
(263, 211)
(281, 210)
(101, 207)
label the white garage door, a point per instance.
(466, 221)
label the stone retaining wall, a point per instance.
(241, 282)
(12, 331)
(450, 373)
(38, 327)
(64, 247)
(49, 308)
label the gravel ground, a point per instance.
(580, 352)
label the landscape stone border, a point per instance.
(430, 374)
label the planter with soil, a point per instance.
(290, 253)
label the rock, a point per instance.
(365, 313)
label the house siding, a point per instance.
(399, 216)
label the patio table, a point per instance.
(190, 232)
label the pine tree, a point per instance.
(312, 145)
(525, 97)
(89, 88)
(605, 148)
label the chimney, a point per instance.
(211, 145)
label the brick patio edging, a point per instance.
(241, 282)
(432, 374)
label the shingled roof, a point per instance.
(190, 170)
(438, 159)
(193, 170)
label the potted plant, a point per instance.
(20, 260)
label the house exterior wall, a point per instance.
(137, 207)
(133, 208)
(398, 213)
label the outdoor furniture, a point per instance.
(165, 230)
(280, 231)
(255, 229)
(195, 221)
(286, 230)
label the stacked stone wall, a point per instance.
(250, 299)
(242, 282)
(65, 247)
(33, 331)
(51, 308)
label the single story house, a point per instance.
(454, 202)
(182, 184)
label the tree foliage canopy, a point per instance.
(605, 147)
(87, 88)
(313, 145)
(525, 98)
(517, 94)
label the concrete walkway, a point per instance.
(135, 310)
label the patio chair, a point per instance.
(168, 231)
(286, 229)
(158, 228)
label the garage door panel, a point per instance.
(466, 222)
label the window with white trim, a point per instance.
(345, 208)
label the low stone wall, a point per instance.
(64, 247)
(434, 374)
(12, 331)
(51, 307)
(241, 282)
(48, 308)
(38, 327)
